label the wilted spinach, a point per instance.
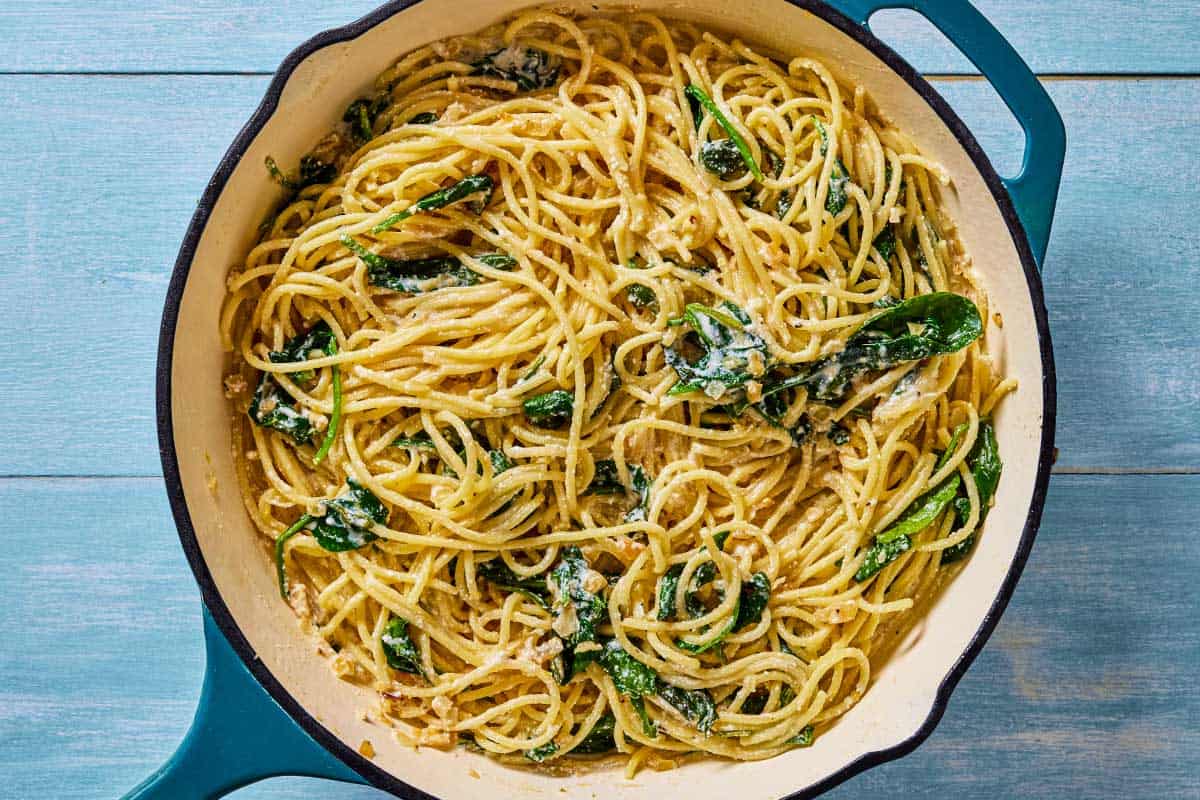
(695, 93)
(312, 171)
(835, 201)
(896, 540)
(272, 407)
(479, 187)
(695, 705)
(730, 355)
(420, 439)
(424, 118)
(885, 243)
(984, 462)
(347, 520)
(399, 649)
(804, 738)
(497, 573)
(417, 275)
(632, 678)
(668, 586)
(948, 322)
(639, 294)
(539, 754)
(320, 339)
(752, 600)
(549, 410)
(280, 567)
(529, 68)
(599, 738)
(361, 116)
(588, 609)
(723, 159)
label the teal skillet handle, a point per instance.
(1035, 190)
(240, 735)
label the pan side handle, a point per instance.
(1034, 190)
(239, 735)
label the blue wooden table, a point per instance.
(114, 116)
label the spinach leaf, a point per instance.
(272, 407)
(835, 201)
(361, 115)
(347, 520)
(723, 159)
(632, 678)
(668, 587)
(314, 171)
(419, 439)
(641, 488)
(755, 595)
(696, 108)
(756, 703)
(640, 295)
(885, 243)
(614, 383)
(703, 574)
(529, 68)
(887, 301)
(599, 738)
(277, 174)
(949, 322)
(985, 464)
(533, 368)
(891, 543)
(539, 754)
(838, 434)
(497, 573)
(399, 648)
(500, 461)
(319, 338)
(784, 204)
(670, 583)
(424, 118)
(923, 511)
(838, 196)
(730, 354)
(549, 410)
(588, 609)
(696, 706)
(605, 480)
(417, 275)
(697, 94)
(479, 188)
(804, 738)
(752, 600)
(335, 418)
(280, 567)
(880, 554)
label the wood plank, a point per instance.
(1092, 36)
(91, 266)
(1085, 691)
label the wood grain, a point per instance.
(96, 210)
(1086, 690)
(1105, 36)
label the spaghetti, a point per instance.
(609, 387)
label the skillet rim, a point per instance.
(368, 770)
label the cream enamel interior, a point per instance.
(904, 689)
